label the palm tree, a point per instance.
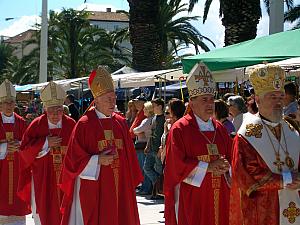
(178, 31)
(174, 33)
(144, 34)
(239, 17)
(74, 48)
(293, 15)
(6, 61)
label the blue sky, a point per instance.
(26, 13)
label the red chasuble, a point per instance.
(10, 203)
(45, 171)
(209, 203)
(111, 199)
(254, 195)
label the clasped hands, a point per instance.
(13, 146)
(54, 141)
(218, 167)
(107, 159)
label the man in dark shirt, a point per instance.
(70, 102)
(153, 165)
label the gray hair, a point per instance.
(238, 102)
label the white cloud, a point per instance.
(96, 7)
(20, 25)
(27, 22)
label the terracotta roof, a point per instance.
(108, 16)
(25, 36)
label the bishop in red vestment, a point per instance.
(101, 170)
(265, 165)
(12, 127)
(198, 153)
(42, 152)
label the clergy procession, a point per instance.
(211, 160)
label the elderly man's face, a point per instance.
(203, 106)
(106, 103)
(8, 107)
(270, 105)
(55, 113)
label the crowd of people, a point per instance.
(214, 162)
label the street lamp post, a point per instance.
(44, 44)
(276, 16)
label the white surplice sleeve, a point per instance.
(197, 175)
(92, 169)
(45, 150)
(3, 150)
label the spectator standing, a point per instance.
(143, 133)
(153, 165)
(290, 103)
(70, 102)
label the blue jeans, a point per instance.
(152, 166)
(146, 185)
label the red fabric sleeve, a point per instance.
(135, 171)
(31, 145)
(251, 172)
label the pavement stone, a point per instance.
(149, 211)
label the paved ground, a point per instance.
(149, 212)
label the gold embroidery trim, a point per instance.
(204, 158)
(115, 167)
(217, 205)
(10, 182)
(57, 157)
(261, 182)
(254, 130)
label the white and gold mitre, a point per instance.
(7, 91)
(53, 95)
(267, 78)
(200, 81)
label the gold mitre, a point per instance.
(100, 82)
(7, 91)
(267, 78)
(53, 95)
(200, 81)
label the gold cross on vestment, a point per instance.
(10, 158)
(292, 212)
(278, 163)
(109, 141)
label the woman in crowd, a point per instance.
(221, 114)
(251, 105)
(143, 133)
(174, 111)
(237, 108)
(131, 113)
